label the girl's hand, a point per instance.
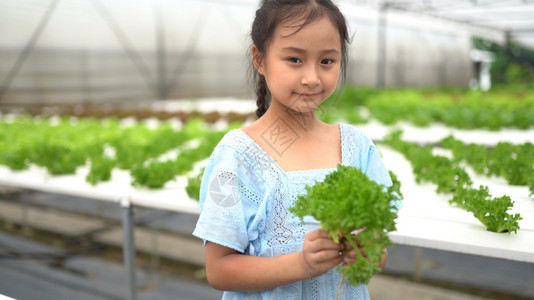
(350, 253)
(320, 253)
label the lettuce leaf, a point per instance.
(348, 200)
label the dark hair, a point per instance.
(274, 12)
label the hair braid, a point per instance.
(261, 93)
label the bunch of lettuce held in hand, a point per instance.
(348, 200)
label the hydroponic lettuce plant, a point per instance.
(492, 212)
(193, 185)
(348, 200)
(515, 163)
(451, 178)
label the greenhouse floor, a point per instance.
(25, 276)
(86, 264)
(84, 277)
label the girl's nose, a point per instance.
(310, 77)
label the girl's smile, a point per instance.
(309, 95)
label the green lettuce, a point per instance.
(348, 200)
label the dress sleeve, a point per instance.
(229, 199)
(377, 171)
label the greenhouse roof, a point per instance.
(498, 19)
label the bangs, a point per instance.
(300, 16)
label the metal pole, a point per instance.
(381, 49)
(154, 253)
(24, 212)
(418, 263)
(128, 246)
(161, 53)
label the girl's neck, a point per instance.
(304, 123)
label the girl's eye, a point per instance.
(294, 60)
(327, 61)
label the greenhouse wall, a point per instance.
(82, 51)
(57, 76)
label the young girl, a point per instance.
(255, 248)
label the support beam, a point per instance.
(128, 246)
(381, 47)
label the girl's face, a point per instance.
(301, 68)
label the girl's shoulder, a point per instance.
(238, 143)
(231, 138)
(351, 133)
(237, 153)
(357, 147)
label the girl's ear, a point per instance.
(257, 59)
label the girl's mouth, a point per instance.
(308, 95)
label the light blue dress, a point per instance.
(244, 200)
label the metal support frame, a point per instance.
(154, 254)
(24, 214)
(381, 47)
(418, 263)
(128, 246)
(161, 53)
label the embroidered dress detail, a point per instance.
(245, 197)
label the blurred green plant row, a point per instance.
(63, 146)
(450, 177)
(460, 108)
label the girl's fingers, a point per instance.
(320, 240)
(321, 261)
(330, 259)
(327, 246)
(358, 231)
(350, 257)
(317, 234)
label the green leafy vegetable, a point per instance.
(460, 108)
(101, 168)
(193, 185)
(153, 174)
(62, 145)
(348, 200)
(427, 167)
(515, 163)
(492, 212)
(451, 178)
